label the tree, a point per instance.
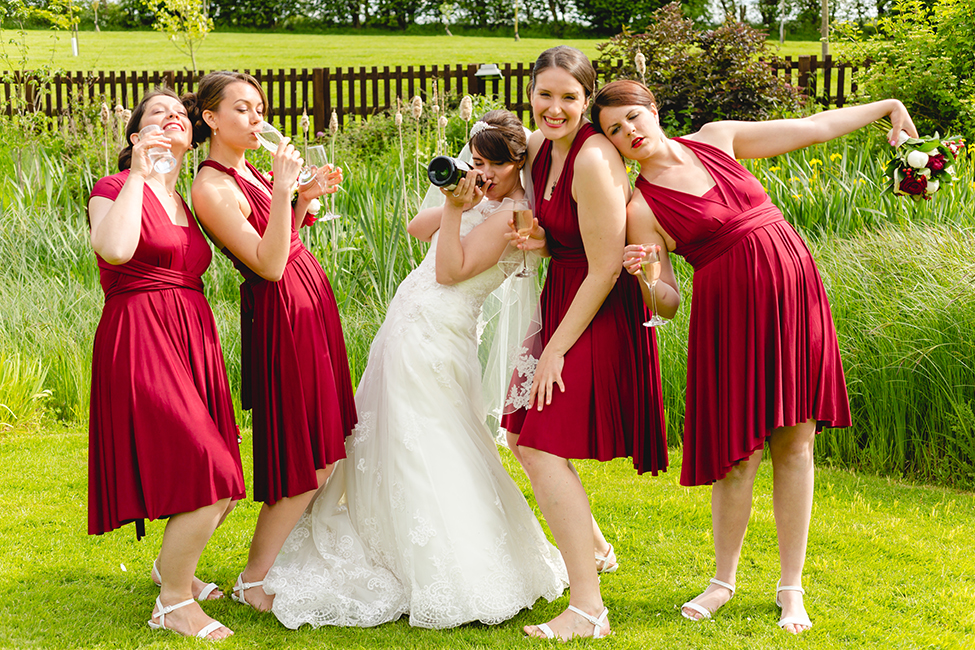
(184, 21)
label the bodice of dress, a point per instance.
(706, 226)
(167, 254)
(260, 202)
(559, 215)
(421, 297)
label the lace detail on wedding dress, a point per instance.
(422, 517)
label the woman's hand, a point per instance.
(901, 122)
(326, 181)
(287, 164)
(635, 254)
(530, 241)
(467, 194)
(548, 372)
(140, 164)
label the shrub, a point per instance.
(699, 75)
(921, 53)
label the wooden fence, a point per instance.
(358, 92)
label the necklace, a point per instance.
(165, 189)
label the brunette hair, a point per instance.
(572, 61)
(504, 141)
(209, 93)
(132, 126)
(624, 92)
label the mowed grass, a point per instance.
(148, 50)
(889, 565)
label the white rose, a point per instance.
(951, 170)
(314, 206)
(917, 159)
(932, 186)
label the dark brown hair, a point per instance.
(132, 127)
(624, 92)
(209, 93)
(504, 142)
(569, 59)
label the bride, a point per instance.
(422, 517)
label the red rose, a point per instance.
(936, 163)
(914, 185)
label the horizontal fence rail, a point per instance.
(357, 92)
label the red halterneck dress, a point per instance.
(612, 405)
(762, 350)
(294, 367)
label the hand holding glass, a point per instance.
(650, 272)
(524, 224)
(269, 138)
(161, 158)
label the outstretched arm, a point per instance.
(775, 137)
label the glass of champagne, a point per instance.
(524, 224)
(161, 158)
(269, 138)
(315, 157)
(650, 272)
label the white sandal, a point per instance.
(203, 633)
(240, 587)
(597, 624)
(703, 611)
(204, 595)
(609, 563)
(792, 620)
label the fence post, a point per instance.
(318, 100)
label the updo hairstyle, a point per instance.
(624, 92)
(504, 142)
(209, 93)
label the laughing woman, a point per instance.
(162, 436)
(763, 359)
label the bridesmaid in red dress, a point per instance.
(294, 369)
(763, 359)
(608, 403)
(162, 436)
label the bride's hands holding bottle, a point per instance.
(466, 194)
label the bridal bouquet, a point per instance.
(921, 166)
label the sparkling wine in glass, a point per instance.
(161, 158)
(524, 223)
(315, 157)
(269, 138)
(650, 271)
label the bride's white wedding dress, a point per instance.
(422, 517)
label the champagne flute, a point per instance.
(316, 157)
(161, 158)
(650, 272)
(269, 138)
(524, 223)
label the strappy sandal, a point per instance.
(204, 594)
(203, 633)
(597, 625)
(607, 564)
(792, 620)
(700, 609)
(240, 587)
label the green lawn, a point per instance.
(890, 566)
(221, 50)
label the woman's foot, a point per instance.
(571, 624)
(794, 617)
(252, 593)
(606, 560)
(201, 590)
(714, 598)
(187, 619)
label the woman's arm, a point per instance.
(643, 235)
(219, 209)
(461, 259)
(600, 186)
(775, 137)
(116, 226)
(425, 223)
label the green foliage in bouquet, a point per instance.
(700, 75)
(921, 53)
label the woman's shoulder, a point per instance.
(110, 186)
